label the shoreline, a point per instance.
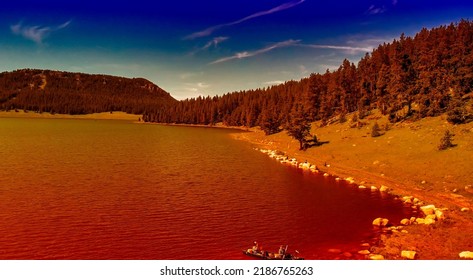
(115, 115)
(444, 237)
(404, 159)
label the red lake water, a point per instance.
(86, 189)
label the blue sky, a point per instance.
(192, 48)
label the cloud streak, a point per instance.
(36, 33)
(212, 29)
(212, 43)
(246, 54)
(373, 10)
(289, 43)
(333, 47)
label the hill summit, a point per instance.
(78, 93)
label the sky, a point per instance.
(192, 48)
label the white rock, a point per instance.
(361, 187)
(405, 222)
(429, 221)
(373, 188)
(364, 252)
(383, 188)
(465, 209)
(376, 257)
(380, 222)
(408, 254)
(420, 221)
(439, 214)
(466, 255)
(428, 209)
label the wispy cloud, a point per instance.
(373, 10)
(334, 47)
(36, 33)
(293, 43)
(247, 54)
(212, 29)
(212, 43)
(272, 83)
(394, 2)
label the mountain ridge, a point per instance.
(78, 93)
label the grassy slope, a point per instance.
(406, 159)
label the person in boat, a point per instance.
(281, 251)
(255, 247)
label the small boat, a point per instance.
(269, 255)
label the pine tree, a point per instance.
(269, 121)
(446, 141)
(298, 125)
(375, 130)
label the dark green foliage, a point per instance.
(269, 121)
(458, 112)
(298, 125)
(78, 93)
(411, 77)
(375, 130)
(446, 141)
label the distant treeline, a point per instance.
(427, 75)
(78, 93)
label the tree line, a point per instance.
(78, 93)
(425, 75)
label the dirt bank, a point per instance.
(406, 159)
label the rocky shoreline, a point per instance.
(397, 239)
(431, 214)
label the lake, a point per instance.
(105, 189)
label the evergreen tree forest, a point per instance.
(78, 93)
(410, 78)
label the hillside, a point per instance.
(78, 93)
(406, 159)
(426, 75)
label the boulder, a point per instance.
(374, 188)
(380, 222)
(428, 209)
(405, 222)
(376, 257)
(429, 220)
(364, 252)
(350, 180)
(439, 214)
(465, 209)
(383, 189)
(420, 221)
(466, 255)
(408, 254)
(361, 187)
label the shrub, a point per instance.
(446, 141)
(375, 130)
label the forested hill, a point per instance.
(410, 78)
(78, 93)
